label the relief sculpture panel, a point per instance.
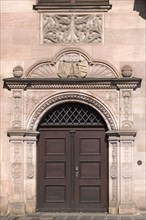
(74, 28)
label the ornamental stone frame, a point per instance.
(96, 92)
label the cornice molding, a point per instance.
(99, 5)
(77, 83)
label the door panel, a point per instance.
(72, 170)
(91, 160)
(53, 170)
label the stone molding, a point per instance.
(87, 83)
(71, 6)
(42, 107)
(123, 135)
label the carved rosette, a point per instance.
(17, 110)
(126, 170)
(72, 28)
(29, 161)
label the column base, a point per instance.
(113, 209)
(127, 208)
(16, 208)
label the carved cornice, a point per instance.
(77, 83)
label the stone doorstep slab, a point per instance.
(74, 216)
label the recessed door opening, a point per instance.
(72, 160)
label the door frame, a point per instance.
(120, 143)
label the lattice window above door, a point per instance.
(72, 114)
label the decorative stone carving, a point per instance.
(18, 71)
(16, 168)
(126, 71)
(111, 98)
(126, 170)
(16, 123)
(75, 96)
(127, 103)
(127, 109)
(32, 98)
(70, 69)
(113, 172)
(29, 163)
(16, 165)
(72, 28)
(72, 64)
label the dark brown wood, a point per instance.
(72, 4)
(91, 158)
(54, 170)
(72, 170)
(83, 2)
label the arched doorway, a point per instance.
(72, 167)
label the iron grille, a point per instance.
(72, 114)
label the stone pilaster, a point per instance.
(23, 171)
(30, 171)
(126, 173)
(16, 204)
(121, 144)
(113, 173)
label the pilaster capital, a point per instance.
(121, 135)
(22, 135)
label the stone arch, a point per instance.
(46, 104)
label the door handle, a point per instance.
(76, 171)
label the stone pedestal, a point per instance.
(16, 207)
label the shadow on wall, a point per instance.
(140, 6)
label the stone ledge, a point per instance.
(71, 83)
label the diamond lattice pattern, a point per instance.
(72, 114)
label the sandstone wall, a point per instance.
(124, 44)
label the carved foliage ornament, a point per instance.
(74, 28)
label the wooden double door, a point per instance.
(72, 170)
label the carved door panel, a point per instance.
(72, 170)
